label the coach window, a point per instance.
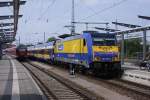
(47, 51)
(42, 51)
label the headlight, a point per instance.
(115, 59)
(97, 58)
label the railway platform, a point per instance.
(133, 73)
(16, 82)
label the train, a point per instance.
(90, 51)
(19, 52)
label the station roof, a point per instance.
(10, 3)
(8, 17)
(144, 17)
(4, 37)
(16, 5)
(133, 30)
(126, 25)
(6, 24)
(8, 32)
(106, 29)
(6, 29)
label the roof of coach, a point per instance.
(40, 46)
(21, 46)
(30, 48)
(49, 45)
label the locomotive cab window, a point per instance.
(104, 39)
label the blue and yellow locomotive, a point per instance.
(94, 51)
(97, 52)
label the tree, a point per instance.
(133, 47)
(51, 39)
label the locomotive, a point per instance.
(90, 51)
(21, 52)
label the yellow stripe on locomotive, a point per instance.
(106, 49)
(71, 46)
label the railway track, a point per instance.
(133, 90)
(56, 89)
(131, 87)
(126, 86)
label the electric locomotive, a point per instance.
(94, 51)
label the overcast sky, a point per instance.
(50, 16)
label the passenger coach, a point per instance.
(42, 51)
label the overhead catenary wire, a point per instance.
(40, 10)
(104, 9)
(65, 13)
(50, 5)
(88, 7)
(94, 11)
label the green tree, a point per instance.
(51, 39)
(132, 46)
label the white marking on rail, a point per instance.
(15, 84)
(137, 78)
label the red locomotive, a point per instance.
(21, 52)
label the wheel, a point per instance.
(148, 67)
(77, 68)
(117, 71)
(83, 70)
(71, 69)
(140, 67)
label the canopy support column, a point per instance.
(144, 44)
(122, 49)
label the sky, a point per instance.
(50, 16)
